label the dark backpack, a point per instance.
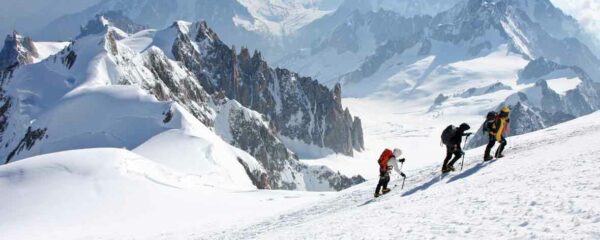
(448, 133)
(490, 118)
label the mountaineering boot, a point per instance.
(377, 194)
(386, 190)
(500, 155)
(451, 169)
(445, 169)
(487, 158)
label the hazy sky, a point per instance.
(587, 12)
(28, 16)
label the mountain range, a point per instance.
(181, 78)
(488, 52)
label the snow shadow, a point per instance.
(470, 171)
(423, 186)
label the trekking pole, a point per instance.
(403, 178)
(462, 163)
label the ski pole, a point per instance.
(462, 163)
(403, 178)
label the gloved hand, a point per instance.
(402, 160)
(403, 175)
(468, 134)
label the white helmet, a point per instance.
(397, 153)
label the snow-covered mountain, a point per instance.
(363, 46)
(53, 105)
(260, 25)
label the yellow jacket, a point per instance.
(503, 123)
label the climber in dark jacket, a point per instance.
(453, 147)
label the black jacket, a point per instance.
(457, 138)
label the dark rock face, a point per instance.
(439, 100)
(538, 68)
(6, 103)
(471, 92)
(297, 107)
(30, 138)
(17, 50)
(182, 89)
(280, 167)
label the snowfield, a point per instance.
(116, 194)
(546, 187)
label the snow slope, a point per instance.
(546, 187)
(112, 193)
(47, 49)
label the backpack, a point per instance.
(448, 133)
(383, 159)
(490, 118)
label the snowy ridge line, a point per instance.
(425, 180)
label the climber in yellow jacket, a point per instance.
(497, 126)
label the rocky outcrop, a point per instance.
(472, 92)
(297, 107)
(438, 101)
(17, 50)
(247, 130)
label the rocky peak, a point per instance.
(538, 68)
(206, 33)
(101, 22)
(17, 50)
(290, 102)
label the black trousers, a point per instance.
(491, 143)
(456, 151)
(384, 179)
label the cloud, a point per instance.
(587, 12)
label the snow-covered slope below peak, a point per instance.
(278, 17)
(545, 188)
(113, 193)
(47, 49)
